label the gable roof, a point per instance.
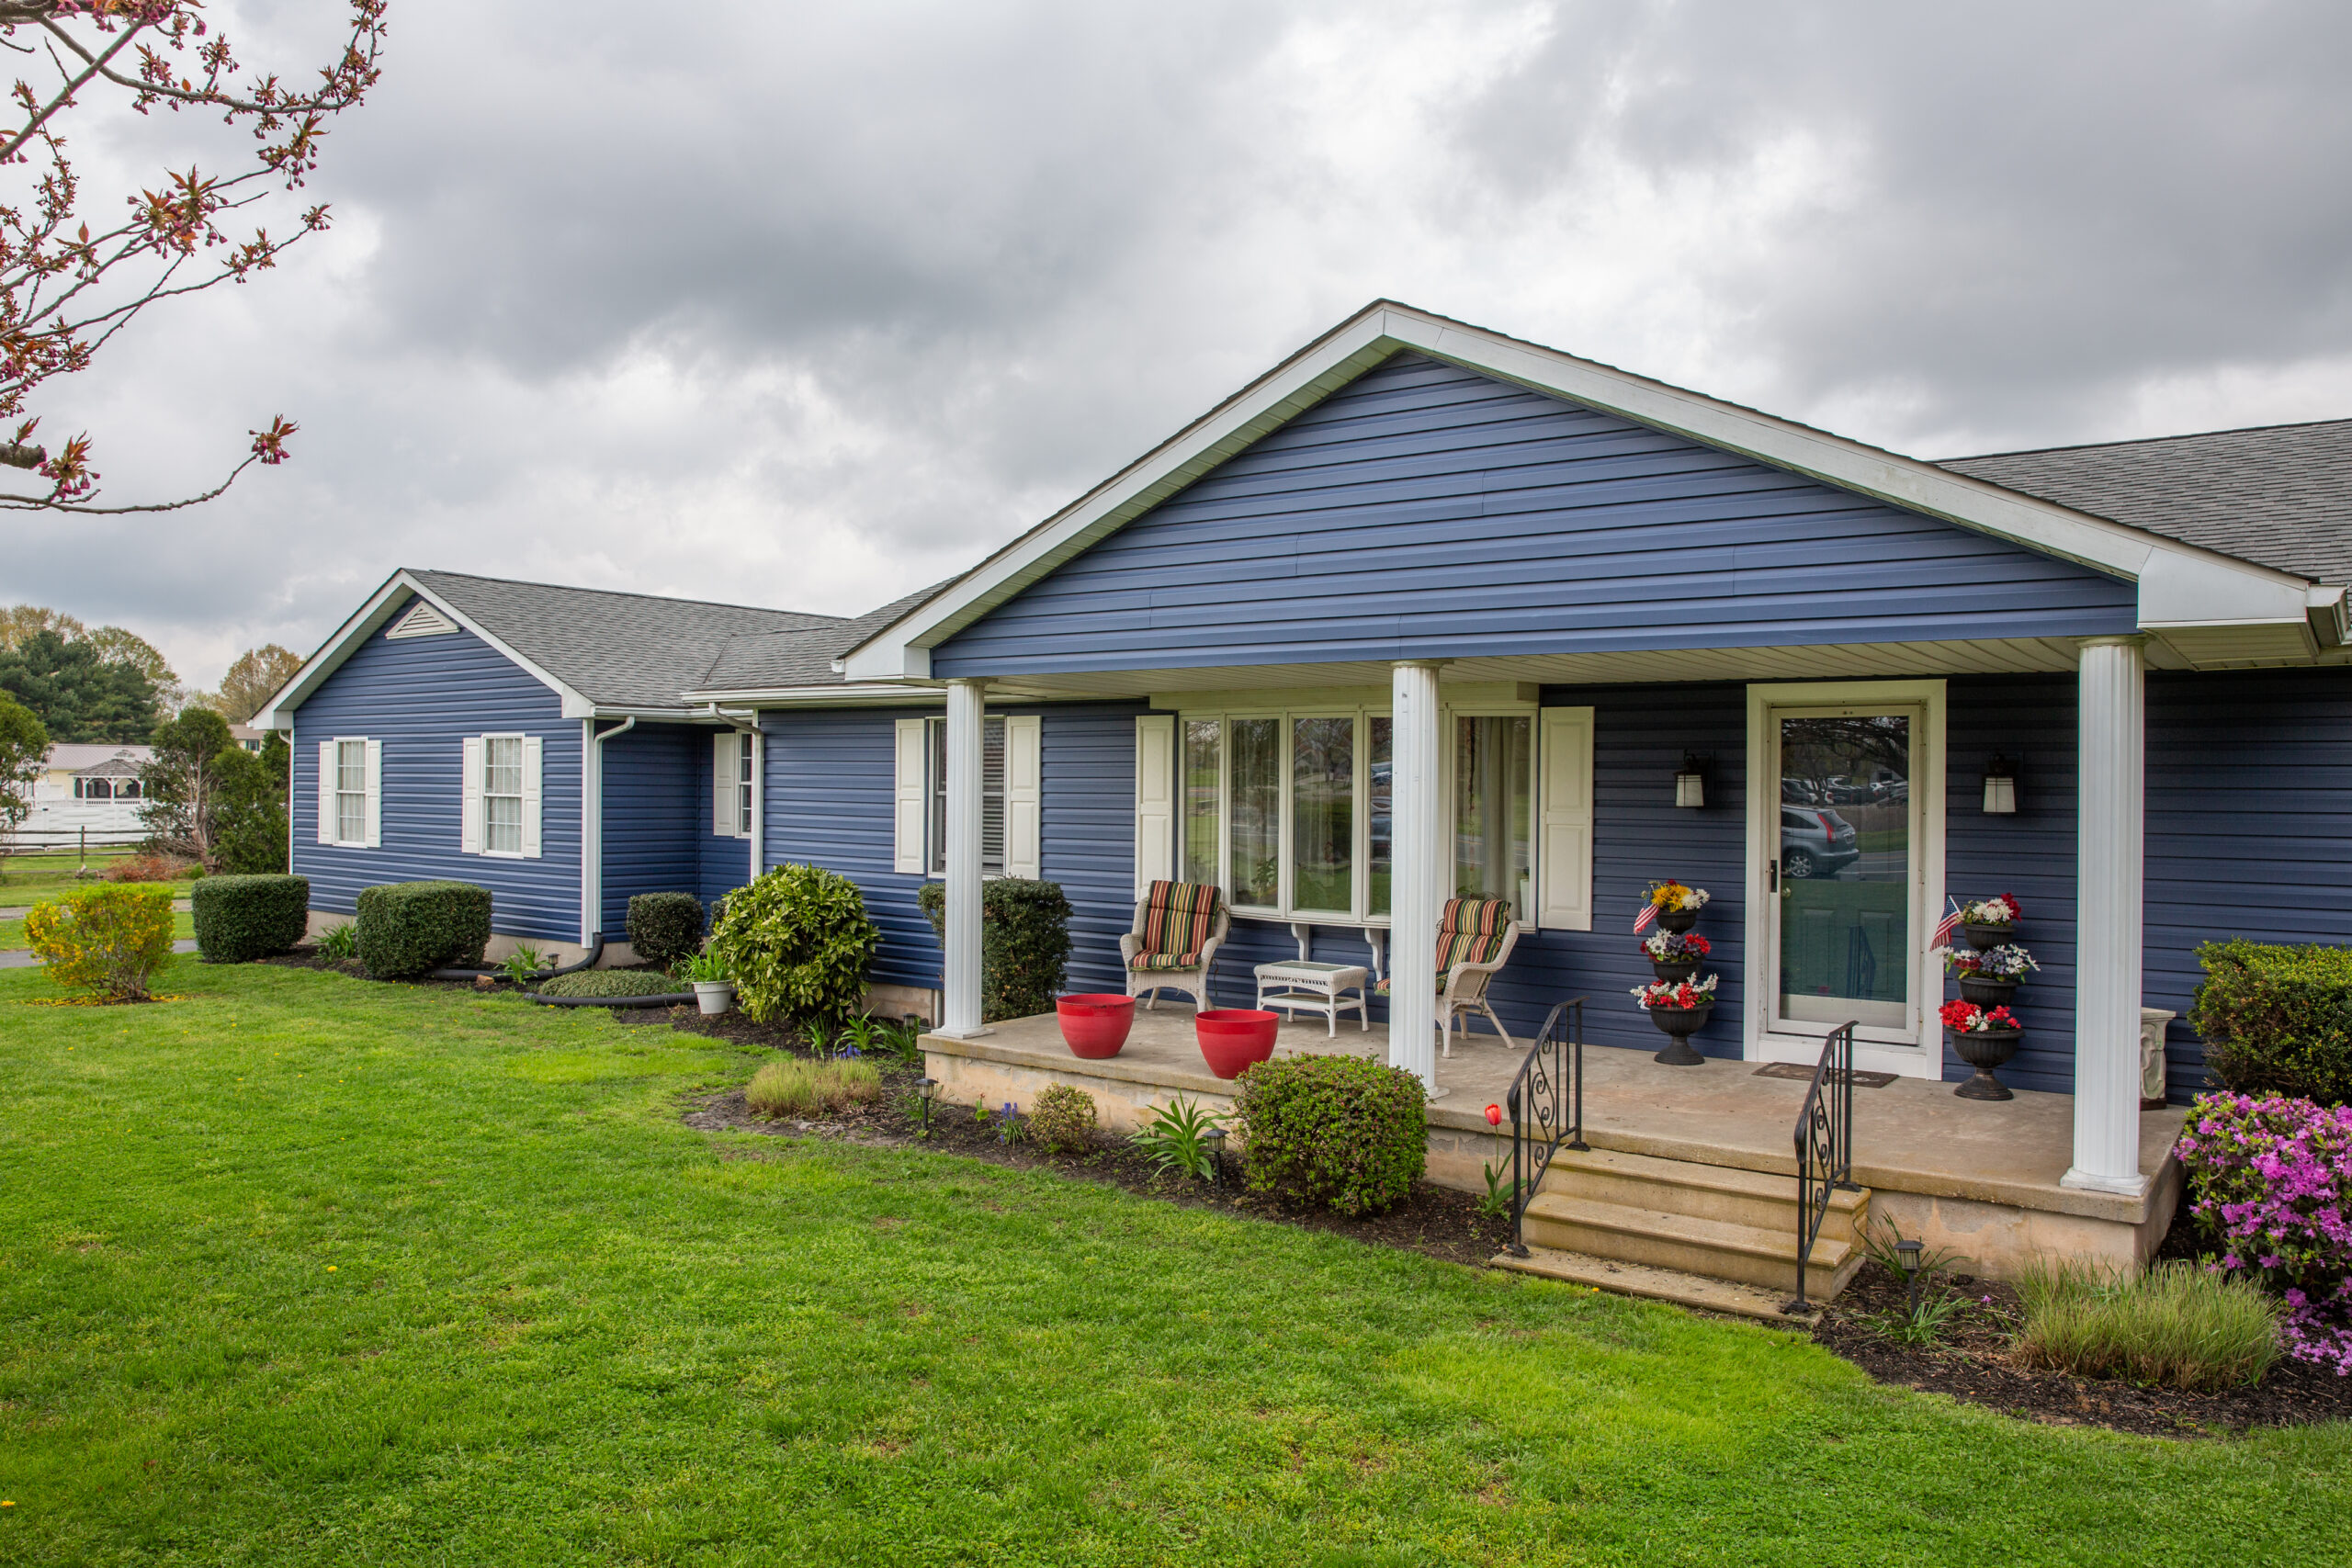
(2197, 590)
(2279, 494)
(787, 661)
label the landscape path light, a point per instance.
(1214, 1138)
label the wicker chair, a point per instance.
(1474, 937)
(1179, 927)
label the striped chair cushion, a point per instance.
(1178, 919)
(1470, 932)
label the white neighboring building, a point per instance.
(86, 786)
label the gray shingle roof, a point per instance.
(2278, 495)
(763, 661)
(616, 650)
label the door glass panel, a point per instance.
(1201, 745)
(1322, 811)
(1492, 769)
(1380, 744)
(1257, 810)
(1845, 852)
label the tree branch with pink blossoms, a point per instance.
(66, 288)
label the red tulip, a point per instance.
(1494, 1116)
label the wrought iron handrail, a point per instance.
(1824, 1141)
(1546, 1103)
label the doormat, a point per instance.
(1804, 1074)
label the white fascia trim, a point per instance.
(368, 619)
(887, 693)
(902, 652)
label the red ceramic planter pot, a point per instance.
(1234, 1038)
(1095, 1025)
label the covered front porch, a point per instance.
(1985, 1180)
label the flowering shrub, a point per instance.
(2270, 1182)
(2002, 909)
(1675, 993)
(2009, 963)
(1674, 947)
(146, 868)
(1969, 1018)
(108, 940)
(1674, 896)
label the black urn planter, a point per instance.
(1986, 992)
(1676, 920)
(1680, 1024)
(1668, 973)
(1985, 1049)
(1985, 937)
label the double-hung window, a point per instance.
(991, 796)
(501, 793)
(351, 792)
(1292, 812)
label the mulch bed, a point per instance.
(1972, 1361)
(1436, 1220)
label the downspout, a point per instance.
(592, 834)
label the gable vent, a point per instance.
(423, 620)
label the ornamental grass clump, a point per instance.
(2178, 1325)
(796, 1088)
(106, 940)
(2270, 1186)
(798, 944)
(1340, 1132)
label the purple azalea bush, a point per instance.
(2270, 1180)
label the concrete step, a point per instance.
(1694, 1290)
(1691, 1244)
(1762, 1199)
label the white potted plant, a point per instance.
(714, 991)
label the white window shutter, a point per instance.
(1155, 800)
(326, 792)
(374, 794)
(1024, 795)
(912, 793)
(725, 749)
(1564, 863)
(533, 750)
(469, 797)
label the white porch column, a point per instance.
(2110, 804)
(966, 714)
(1417, 876)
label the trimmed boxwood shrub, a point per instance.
(2276, 1020)
(1339, 1130)
(800, 944)
(239, 918)
(408, 928)
(1025, 943)
(610, 983)
(664, 927)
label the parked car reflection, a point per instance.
(1815, 841)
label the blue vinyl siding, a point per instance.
(1087, 812)
(2249, 826)
(649, 816)
(1428, 511)
(831, 794)
(421, 696)
(721, 864)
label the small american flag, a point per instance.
(1642, 921)
(1944, 927)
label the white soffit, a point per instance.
(2176, 572)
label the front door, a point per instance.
(1844, 871)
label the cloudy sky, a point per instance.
(806, 306)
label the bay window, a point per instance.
(1292, 812)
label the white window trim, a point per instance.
(1359, 915)
(330, 793)
(935, 752)
(482, 785)
(1914, 1053)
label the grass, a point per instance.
(805, 1089)
(27, 879)
(308, 1270)
(2176, 1324)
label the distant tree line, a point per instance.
(111, 686)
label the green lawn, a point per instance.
(28, 879)
(308, 1270)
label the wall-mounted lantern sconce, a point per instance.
(1691, 782)
(2000, 787)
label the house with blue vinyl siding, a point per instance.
(1425, 612)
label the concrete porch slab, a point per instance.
(1981, 1178)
